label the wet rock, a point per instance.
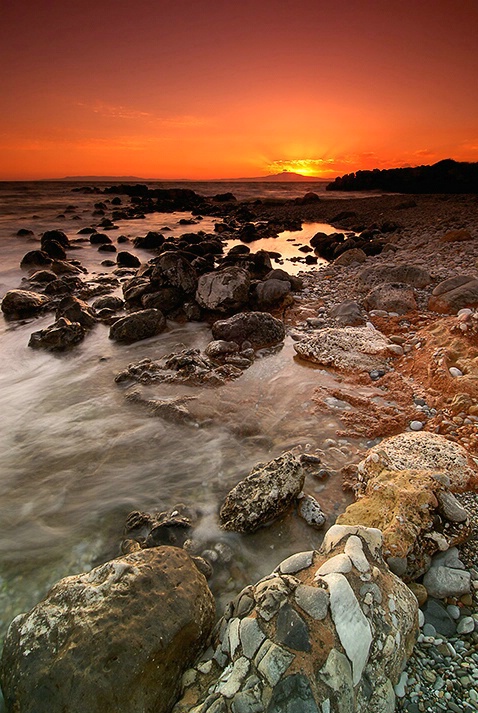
(223, 290)
(76, 310)
(272, 293)
(18, 304)
(59, 336)
(219, 349)
(266, 493)
(139, 325)
(127, 259)
(296, 283)
(347, 348)
(109, 302)
(391, 297)
(57, 236)
(99, 239)
(261, 329)
(152, 241)
(311, 647)
(173, 270)
(35, 258)
(437, 615)
(53, 249)
(76, 650)
(454, 294)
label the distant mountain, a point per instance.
(447, 176)
(283, 177)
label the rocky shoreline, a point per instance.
(393, 317)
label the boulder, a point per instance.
(454, 294)
(172, 269)
(224, 290)
(99, 239)
(166, 299)
(151, 241)
(117, 638)
(261, 329)
(108, 302)
(53, 249)
(348, 314)
(391, 297)
(76, 310)
(302, 641)
(58, 236)
(58, 337)
(407, 274)
(127, 259)
(422, 450)
(42, 276)
(18, 304)
(350, 257)
(266, 494)
(296, 283)
(35, 258)
(139, 325)
(345, 348)
(272, 293)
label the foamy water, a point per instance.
(76, 456)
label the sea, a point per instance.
(76, 456)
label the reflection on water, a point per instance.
(76, 456)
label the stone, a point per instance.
(271, 293)
(394, 297)
(454, 294)
(335, 534)
(337, 672)
(437, 615)
(138, 325)
(172, 269)
(422, 450)
(265, 494)
(310, 511)
(406, 274)
(442, 582)
(295, 563)
(350, 257)
(348, 314)
(127, 259)
(261, 329)
(456, 236)
(465, 625)
(77, 650)
(108, 302)
(291, 630)
(354, 550)
(350, 622)
(58, 337)
(35, 258)
(76, 310)
(451, 508)
(224, 290)
(345, 348)
(312, 600)
(339, 563)
(18, 304)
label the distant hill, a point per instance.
(284, 176)
(447, 176)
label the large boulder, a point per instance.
(408, 274)
(174, 270)
(223, 290)
(454, 294)
(59, 336)
(261, 329)
(326, 631)
(266, 493)
(115, 639)
(57, 236)
(76, 310)
(345, 348)
(35, 258)
(18, 304)
(139, 325)
(272, 293)
(391, 297)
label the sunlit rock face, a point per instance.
(115, 639)
(326, 631)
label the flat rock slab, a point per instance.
(345, 348)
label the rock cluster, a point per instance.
(326, 631)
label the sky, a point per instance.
(210, 89)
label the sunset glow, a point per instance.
(219, 90)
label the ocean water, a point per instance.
(76, 456)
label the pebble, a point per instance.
(454, 371)
(416, 425)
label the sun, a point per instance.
(313, 167)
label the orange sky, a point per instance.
(214, 88)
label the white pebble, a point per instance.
(454, 371)
(416, 425)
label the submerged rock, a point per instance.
(266, 493)
(139, 325)
(18, 304)
(311, 643)
(62, 334)
(117, 638)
